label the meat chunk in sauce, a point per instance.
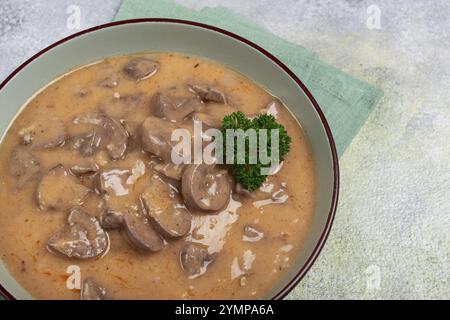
(165, 209)
(24, 166)
(140, 232)
(114, 138)
(45, 134)
(206, 187)
(91, 290)
(195, 259)
(81, 238)
(140, 68)
(59, 190)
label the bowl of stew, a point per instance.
(92, 208)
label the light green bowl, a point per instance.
(133, 36)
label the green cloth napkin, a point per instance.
(345, 100)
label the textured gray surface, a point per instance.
(391, 237)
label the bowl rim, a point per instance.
(332, 211)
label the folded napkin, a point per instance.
(345, 100)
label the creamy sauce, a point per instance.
(244, 267)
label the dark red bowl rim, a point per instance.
(324, 235)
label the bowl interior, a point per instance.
(190, 39)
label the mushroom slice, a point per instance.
(123, 107)
(165, 209)
(140, 233)
(140, 68)
(195, 259)
(208, 94)
(80, 170)
(156, 137)
(111, 219)
(113, 182)
(88, 143)
(174, 108)
(45, 134)
(58, 190)
(114, 136)
(82, 237)
(91, 290)
(205, 187)
(199, 90)
(170, 170)
(24, 166)
(216, 95)
(251, 234)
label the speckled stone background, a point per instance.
(391, 236)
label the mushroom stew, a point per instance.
(87, 180)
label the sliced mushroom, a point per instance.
(174, 108)
(87, 144)
(91, 290)
(170, 170)
(199, 90)
(113, 182)
(80, 170)
(140, 232)
(251, 234)
(209, 94)
(165, 209)
(24, 166)
(122, 107)
(111, 219)
(140, 68)
(215, 95)
(156, 137)
(82, 237)
(195, 259)
(114, 136)
(58, 190)
(205, 187)
(45, 134)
